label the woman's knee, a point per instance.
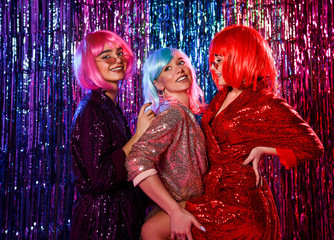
(156, 227)
(145, 232)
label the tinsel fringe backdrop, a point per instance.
(39, 96)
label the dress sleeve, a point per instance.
(287, 157)
(142, 176)
(294, 140)
(97, 164)
(150, 148)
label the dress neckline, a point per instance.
(218, 110)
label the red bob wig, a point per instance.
(247, 57)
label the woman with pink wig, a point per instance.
(107, 206)
(169, 160)
(244, 122)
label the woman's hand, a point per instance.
(144, 120)
(181, 222)
(255, 156)
(180, 219)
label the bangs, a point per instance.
(247, 57)
(96, 44)
(100, 39)
(87, 74)
(217, 47)
(161, 58)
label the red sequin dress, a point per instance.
(232, 207)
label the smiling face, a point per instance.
(216, 69)
(175, 77)
(111, 63)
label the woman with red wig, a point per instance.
(107, 206)
(244, 122)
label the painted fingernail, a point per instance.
(203, 228)
(244, 164)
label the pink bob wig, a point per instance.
(247, 58)
(85, 69)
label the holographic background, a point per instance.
(39, 96)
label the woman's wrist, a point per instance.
(267, 150)
(174, 208)
(135, 137)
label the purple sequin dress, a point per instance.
(107, 206)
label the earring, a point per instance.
(163, 93)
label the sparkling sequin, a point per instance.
(107, 206)
(39, 95)
(232, 207)
(175, 146)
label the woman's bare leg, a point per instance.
(158, 226)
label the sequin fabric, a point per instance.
(107, 206)
(175, 146)
(232, 207)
